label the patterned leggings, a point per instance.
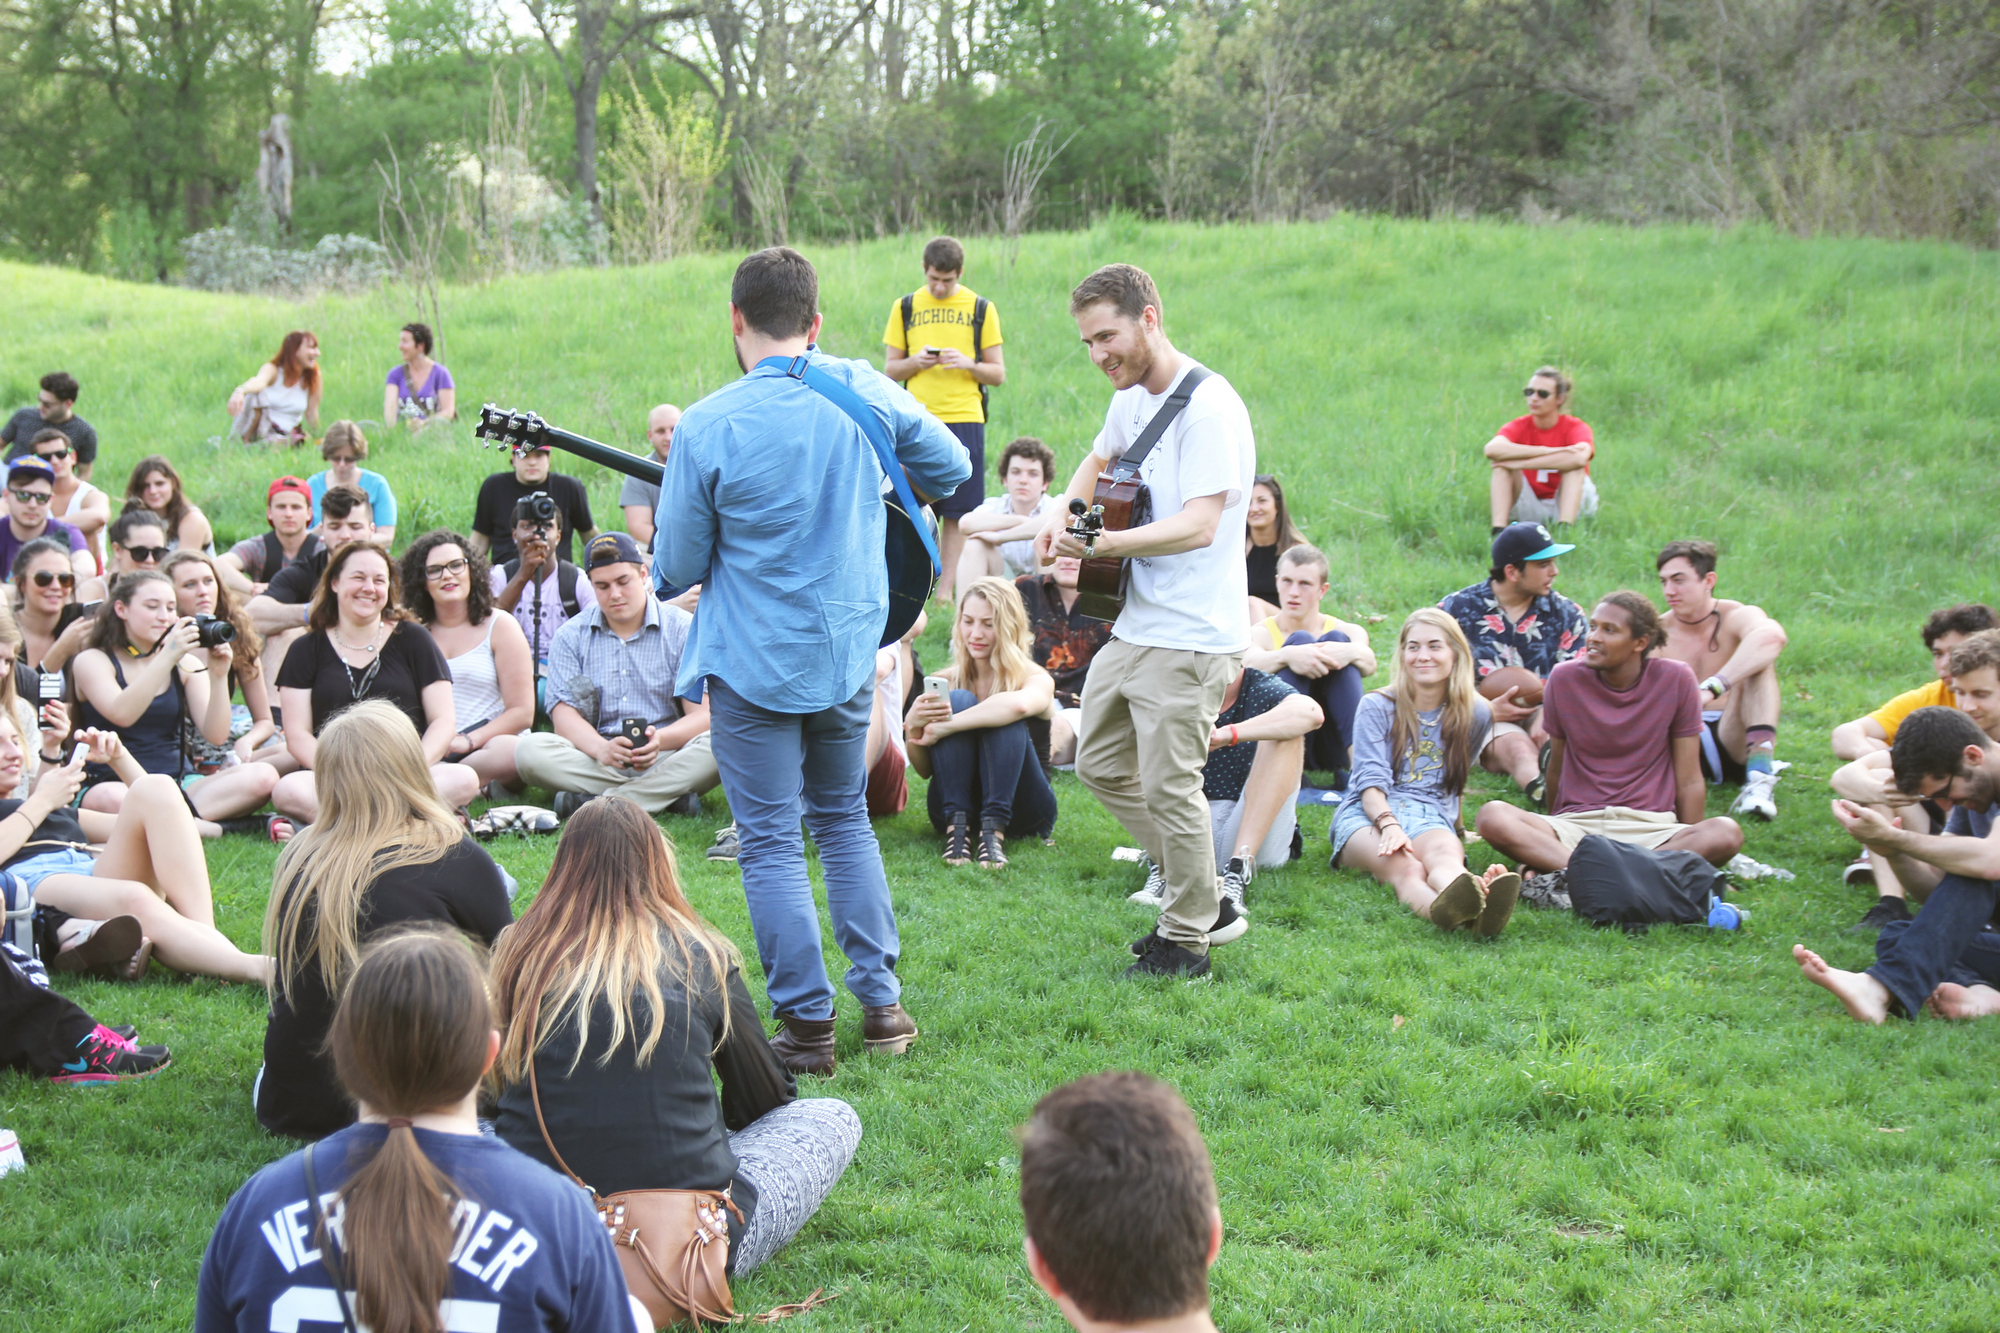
(793, 1156)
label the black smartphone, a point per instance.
(73, 612)
(635, 730)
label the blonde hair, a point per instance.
(1461, 697)
(379, 810)
(1013, 659)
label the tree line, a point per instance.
(555, 131)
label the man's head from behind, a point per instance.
(775, 295)
(1942, 751)
(1975, 679)
(1118, 1198)
(346, 515)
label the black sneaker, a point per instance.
(1885, 910)
(105, 1057)
(1230, 924)
(1164, 958)
(568, 803)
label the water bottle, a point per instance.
(1725, 916)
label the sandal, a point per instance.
(957, 840)
(1502, 892)
(1460, 904)
(992, 845)
(108, 947)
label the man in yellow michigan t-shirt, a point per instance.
(930, 345)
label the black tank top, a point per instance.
(154, 740)
(1261, 565)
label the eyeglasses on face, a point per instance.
(44, 577)
(32, 497)
(147, 555)
(1532, 392)
(458, 566)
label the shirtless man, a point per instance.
(1733, 649)
(1315, 652)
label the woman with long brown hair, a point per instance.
(627, 1005)
(276, 402)
(427, 1209)
(386, 851)
(1414, 744)
(1268, 532)
(200, 591)
(156, 488)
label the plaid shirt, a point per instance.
(1550, 631)
(1065, 641)
(608, 679)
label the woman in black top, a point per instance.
(625, 999)
(386, 852)
(361, 644)
(141, 674)
(1267, 534)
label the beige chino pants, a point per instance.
(547, 760)
(1147, 717)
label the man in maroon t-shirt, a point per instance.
(1625, 753)
(1548, 451)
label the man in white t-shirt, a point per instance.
(1000, 533)
(1150, 703)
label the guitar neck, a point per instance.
(632, 465)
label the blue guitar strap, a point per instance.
(826, 386)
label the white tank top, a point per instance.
(475, 683)
(284, 405)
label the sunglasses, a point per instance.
(1538, 393)
(147, 555)
(458, 566)
(60, 453)
(33, 497)
(44, 577)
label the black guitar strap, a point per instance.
(1127, 467)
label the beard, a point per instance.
(736, 345)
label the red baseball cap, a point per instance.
(296, 485)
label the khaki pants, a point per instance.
(1147, 717)
(547, 760)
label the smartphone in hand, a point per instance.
(937, 686)
(634, 730)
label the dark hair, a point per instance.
(247, 648)
(421, 333)
(777, 291)
(1699, 554)
(1965, 618)
(34, 551)
(1128, 287)
(1028, 447)
(46, 435)
(62, 384)
(945, 255)
(409, 1037)
(120, 531)
(479, 596)
(107, 631)
(287, 360)
(1563, 384)
(325, 612)
(339, 502)
(1931, 743)
(177, 506)
(1119, 1197)
(1288, 535)
(1980, 650)
(1641, 616)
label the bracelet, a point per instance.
(1233, 738)
(1389, 815)
(49, 758)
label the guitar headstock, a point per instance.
(517, 432)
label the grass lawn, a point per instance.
(1565, 1128)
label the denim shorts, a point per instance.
(61, 861)
(1414, 816)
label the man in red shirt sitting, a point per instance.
(1549, 451)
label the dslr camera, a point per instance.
(213, 631)
(538, 509)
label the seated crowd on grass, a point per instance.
(310, 687)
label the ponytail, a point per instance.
(410, 1036)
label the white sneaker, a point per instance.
(1755, 798)
(1154, 894)
(1235, 878)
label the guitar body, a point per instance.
(911, 577)
(1100, 583)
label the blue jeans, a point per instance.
(992, 773)
(1947, 941)
(776, 767)
(1338, 694)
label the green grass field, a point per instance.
(1564, 1128)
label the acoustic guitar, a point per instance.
(911, 574)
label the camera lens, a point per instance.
(213, 631)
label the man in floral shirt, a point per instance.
(1516, 618)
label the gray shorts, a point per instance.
(1225, 819)
(1532, 508)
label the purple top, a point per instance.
(426, 397)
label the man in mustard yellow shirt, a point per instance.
(943, 341)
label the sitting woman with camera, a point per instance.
(621, 1008)
(492, 671)
(360, 644)
(385, 852)
(973, 743)
(200, 592)
(144, 669)
(145, 862)
(439, 1226)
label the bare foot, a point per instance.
(1950, 1000)
(1866, 999)
(135, 967)
(281, 829)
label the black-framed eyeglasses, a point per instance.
(1532, 392)
(458, 566)
(147, 555)
(33, 497)
(60, 453)
(44, 577)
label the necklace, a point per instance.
(368, 647)
(357, 685)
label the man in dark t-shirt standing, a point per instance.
(1625, 751)
(55, 408)
(493, 512)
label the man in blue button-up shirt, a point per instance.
(772, 501)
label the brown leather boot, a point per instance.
(805, 1045)
(887, 1030)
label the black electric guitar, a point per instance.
(911, 576)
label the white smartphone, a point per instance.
(938, 686)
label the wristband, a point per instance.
(1233, 738)
(1718, 682)
(48, 758)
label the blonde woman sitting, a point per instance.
(1414, 743)
(973, 743)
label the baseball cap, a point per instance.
(612, 548)
(30, 466)
(296, 485)
(1519, 543)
